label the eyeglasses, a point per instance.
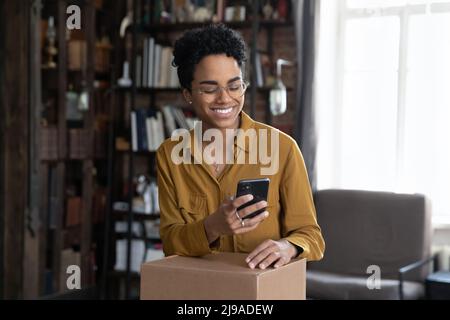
(210, 92)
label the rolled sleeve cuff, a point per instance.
(301, 245)
(198, 241)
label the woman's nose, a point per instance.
(223, 95)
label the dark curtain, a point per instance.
(305, 128)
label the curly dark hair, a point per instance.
(197, 43)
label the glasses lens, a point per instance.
(236, 90)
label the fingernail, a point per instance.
(251, 265)
(247, 260)
(276, 266)
(250, 197)
(262, 266)
(266, 214)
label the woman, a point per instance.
(198, 216)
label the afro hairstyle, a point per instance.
(198, 43)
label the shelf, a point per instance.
(167, 27)
(148, 90)
(121, 274)
(139, 153)
(137, 216)
(72, 159)
(124, 235)
(267, 89)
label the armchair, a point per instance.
(366, 228)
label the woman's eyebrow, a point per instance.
(215, 82)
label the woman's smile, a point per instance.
(224, 112)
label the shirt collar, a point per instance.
(246, 123)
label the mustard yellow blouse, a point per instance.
(188, 193)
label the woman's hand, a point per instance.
(270, 251)
(228, 221)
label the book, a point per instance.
(138, 71)
(157, 65)
(145, 64)
(134, 134)
(73, 211)
(150, 62)
(48, 148)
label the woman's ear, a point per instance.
(187, 95)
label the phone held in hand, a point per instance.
(259, 188)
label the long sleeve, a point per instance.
(178, 237)
(299, 225)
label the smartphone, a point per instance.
(259, 188)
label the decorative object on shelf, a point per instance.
(143, 189)
(51, 49)
(83, 102)
(126, 22)
(202, 14)
(282, 10)
(72, 104)
(189, 11)
(278, 96)
(125, 81)
(267, 11)
(235, 13)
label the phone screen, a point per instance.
(259, 188)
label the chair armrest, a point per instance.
(413, 266)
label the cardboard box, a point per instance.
(220, 276)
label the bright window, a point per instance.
(383, 96)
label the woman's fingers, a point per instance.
(252, 208)
(245, 225)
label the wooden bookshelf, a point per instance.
(65, 156)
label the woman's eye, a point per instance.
(209, 90)
(234, 88)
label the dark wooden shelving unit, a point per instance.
(137, 215)
(62, 176)
(169, 27)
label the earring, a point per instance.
(190, 102)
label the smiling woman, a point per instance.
(199, 213)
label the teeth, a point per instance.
(220, 110)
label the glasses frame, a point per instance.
(214, 95)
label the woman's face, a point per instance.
(217, 108)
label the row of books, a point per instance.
(176, 11)
(263, 67)
(139, 254)
(74, 208)
(77, 143)
(147, 131)
(48, 149)
(154, 67)
(148, 127)
(148, 229)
